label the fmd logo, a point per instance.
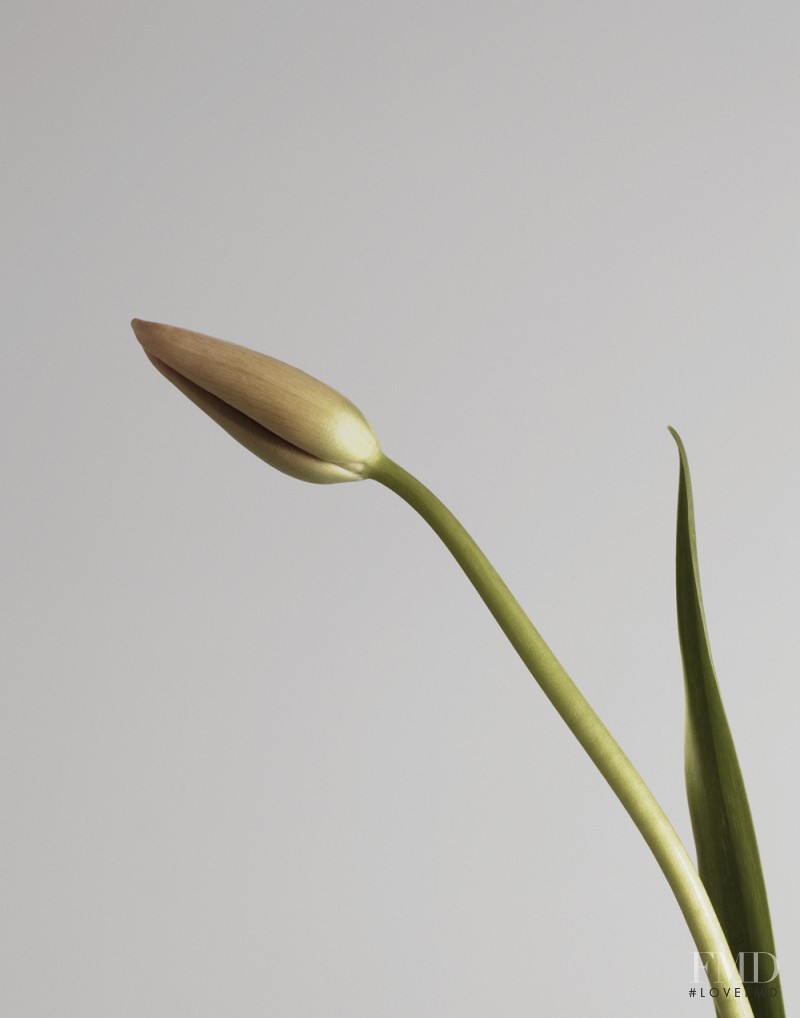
(752, 967)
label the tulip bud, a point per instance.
(289, 419)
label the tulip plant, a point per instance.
(308, 430)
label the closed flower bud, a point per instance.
(289, 419)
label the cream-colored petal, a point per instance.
(298, 408)
(265, 444)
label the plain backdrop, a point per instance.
(262, 750)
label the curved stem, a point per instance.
(587, 727)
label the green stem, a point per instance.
(587, 727)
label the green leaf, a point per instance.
(727, 852)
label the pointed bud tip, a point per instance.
(148, 331)
(141, 329)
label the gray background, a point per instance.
(263, 752)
